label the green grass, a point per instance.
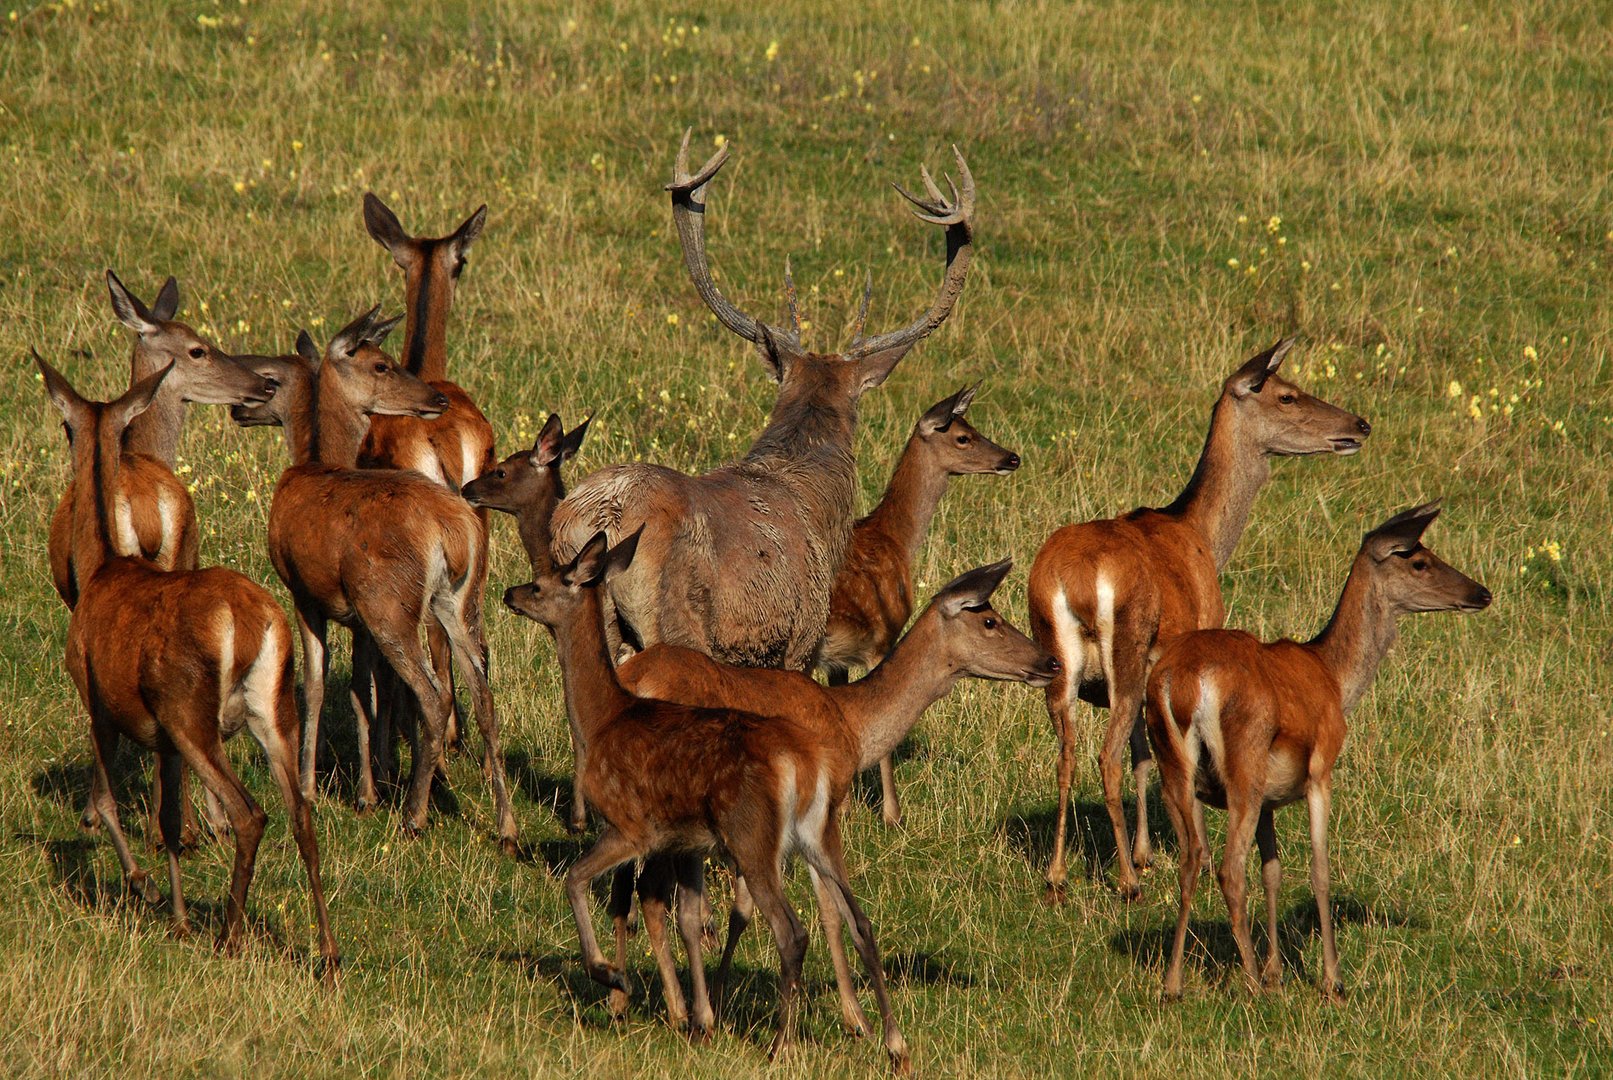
(1441, 175)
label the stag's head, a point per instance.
(1280, 419)
(955, 446)
(201, 373)
(528, 478)
(812, 384)
(1410, 576)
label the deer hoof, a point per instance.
(1171, 997)
(699, 1035)
(228, 945)
(608, 975)
(1333, 993)
(901, 1063)
(1130, 891)
(616, 1005)
(330, 977)
(1055, 894)
(141, 885)
(509, 847)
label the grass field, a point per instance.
(1421, 191)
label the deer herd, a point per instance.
(689, 613)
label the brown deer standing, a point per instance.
(458, 445)
(1105, 594)
(527, 485)
(957, 635)
(379, 551)
(740, 561)
(676, 778)
(176, 661)
(873, 593)
(1250, 727)
(155, 515)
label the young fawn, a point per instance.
(1104, 595)
(1250, 726)
(177, 662)
(873, 592)
(957, 635)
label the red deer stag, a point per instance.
(458, 445)
(670, 778)
(155, 515)
(739, 562)
(379, 551)
(873, 593)
(177, 662)
(1105, 594)
(1248, 727)
(957, 635)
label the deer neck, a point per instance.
(534, 525)
(908, 506)
(339, 425)
(594, 695)
(429, 295)
(300, 421)
(1359, 635)
(97, 471)
(1230, 472)
(882, 706)
(156, 431)
(805, 428)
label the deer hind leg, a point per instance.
(1062, 635)
(828, 860)
(170, 819)
(366, 694)
(472, 662)
(408, 660)
(1124, 668)
(190, 830)
(103, 744)
(197, 737)
(1242, 817)
(829, 905)
(311, 628)
(1271, 880)
(1142, 763)
(442, 653)
(740, 913)
(656, 886)
(611, 850)
(690, 871)
(1319, 801)
(1177, 788)
(791, 938)
(618, 908)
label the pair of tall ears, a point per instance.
(388, 231)
(76, 409)
(368, 329)
(134, 314)
(554, 444)
(1402, 533)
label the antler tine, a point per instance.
(789, 297)
(862, 310)
(689, 215)
(956, 214)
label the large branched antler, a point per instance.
(689, 214)
(955, 213)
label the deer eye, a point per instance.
(990, 623)
(380, 368)
(197, 352)
(963, 440)
(1287, 399)
(498, 473)
(1419, 564)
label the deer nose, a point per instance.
(1482, 597)
(1053, 665)
(509, 597)
(1011, 462)
(440, 401)
(1364, 427)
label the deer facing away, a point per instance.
(739, 562)
(176, 662)
(1249, 727)
(1106, 594)
(873, 592)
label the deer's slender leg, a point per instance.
(170, 767)
(1271, 879)
(311, 628)
(1241, 820)
(609, 851)
(1319, 801)
(103, 744)
(1186, 812)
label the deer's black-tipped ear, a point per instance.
(167, 302)
(350, 337)
(589, 565)
(547, 449)
(1402, 533)
(972, 589)
(61, 392)
(942, 413)
(384, 226)
(573, 440)
(306, 347)
(466, 234)
(1251, 377)
(621, 556)
(128, 308)
(774, 356)
(379, 331)
(876, 367)
(137, 399)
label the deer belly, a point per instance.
(1285, 777)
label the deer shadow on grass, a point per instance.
(542, 788)
(1089, 836)
(1214, 951)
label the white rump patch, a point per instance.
(128, 542)
(1206, 727)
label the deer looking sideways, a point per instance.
(873, 593)
(176, 661)
(1105, 594)
(456, 446)
(378, 550)
(672, 778)
(1250, 727)
(957, 635)
(739, 562)
(155, 516)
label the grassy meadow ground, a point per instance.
(1419, 190)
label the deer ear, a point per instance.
(306, 348)
(466, 234)
(589, 565)
(621, 556)
(128, 308)
(573, 440)
(1402, 533)
(876, 367)
(972, 589)
(61, 392)
(379, 331)
(942, 413)
(548, 448)
(384, 226)
(774, 358)
(350, 337)
(1251, 377)
(138, 398)
(167, 302)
